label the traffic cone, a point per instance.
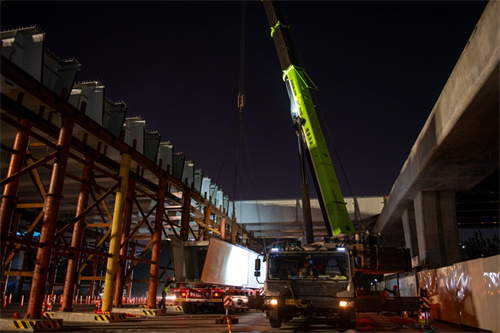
(97, 306)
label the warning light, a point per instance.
(183, 294)
(216, 294)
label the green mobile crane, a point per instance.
(303, 112)
(318, 278)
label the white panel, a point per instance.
(165, 153)
(134, 130)
(229, 265)
(220, 199)
(205, 187)
(408, 286)
(188, 172)
(491, 281)
(446, 286)
(27, 52)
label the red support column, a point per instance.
(9, 196)
(155, 255)
(223, 228)
(76, 240)
(127, 218)
(51, 209)
(206, 220)
(185, 216)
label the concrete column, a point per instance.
(436, 228)
(116, 235)
(449, 227)
(410, 231)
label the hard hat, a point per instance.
(168, 278)
(395, 287)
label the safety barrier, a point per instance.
(40, 324)
(465, 293)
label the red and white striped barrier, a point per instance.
(426, 304)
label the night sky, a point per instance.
(379, 67)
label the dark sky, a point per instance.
(379, 66)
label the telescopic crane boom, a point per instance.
(307, 125)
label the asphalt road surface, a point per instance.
(250, 321)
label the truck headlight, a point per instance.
(345, 304)
(273, 301)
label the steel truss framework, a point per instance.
(74, 191)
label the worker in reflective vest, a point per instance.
(394, 291)
(165, 291)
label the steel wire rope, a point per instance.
(239, 131)
(242, 139)
(240, 97)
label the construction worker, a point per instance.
(395, 291)
(164, 292)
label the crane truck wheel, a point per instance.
(275, 318)
(350, 320)
(189, 308)
(186, 307)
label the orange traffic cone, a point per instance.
(97, 306)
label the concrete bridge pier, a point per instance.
(430, 228)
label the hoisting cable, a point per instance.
(241, 96)
(242, 140)
(239, 137)
(241, 99)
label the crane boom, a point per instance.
(308, 127)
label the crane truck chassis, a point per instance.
(312, 280)
(322, 289)
(320, 279)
